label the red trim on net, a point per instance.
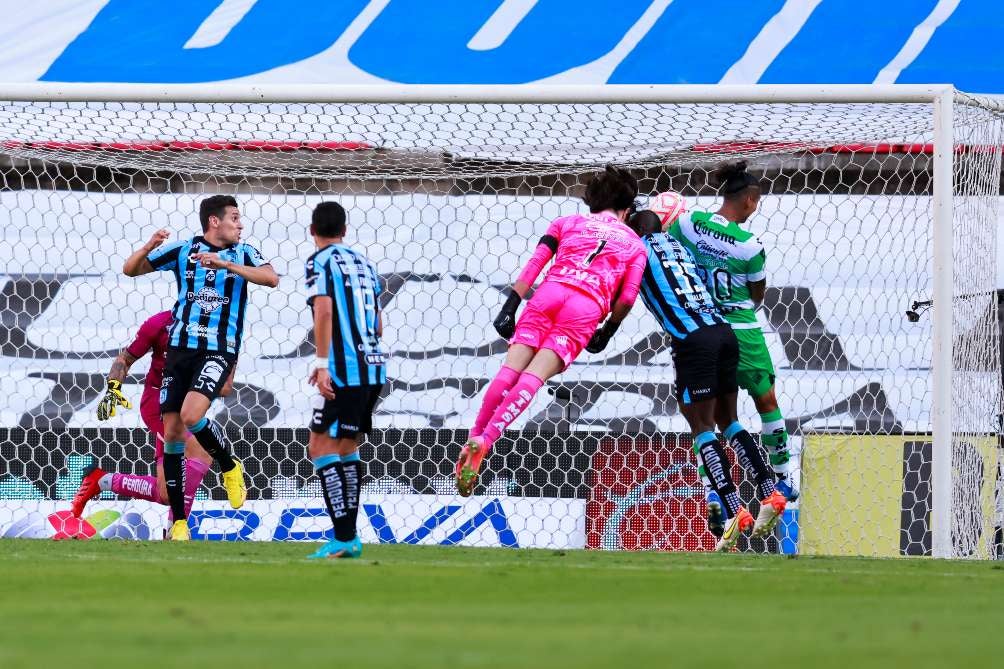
(881, 148)
(193, 145)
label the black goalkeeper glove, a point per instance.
(113, 398)
(505, 322)
(602, 336)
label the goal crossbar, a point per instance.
(515, 94)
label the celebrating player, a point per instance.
(151, 338)
(705, 356)
(212, 272)
(349, 371)
(731, 262)
(598, 262)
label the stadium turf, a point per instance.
(136, 604)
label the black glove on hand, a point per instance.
(602, 336)
(505, 322)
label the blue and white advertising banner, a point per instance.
(506, 41)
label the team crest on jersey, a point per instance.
(208, 299)
(211, 275)
(209, 375)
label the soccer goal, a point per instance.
(877, 201)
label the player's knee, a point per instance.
(320, 445)
(766, 402)
(174, 429)
(190, 417)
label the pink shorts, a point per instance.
(559, 318)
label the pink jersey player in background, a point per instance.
(598, 266)
(151, 338)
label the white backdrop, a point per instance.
(859, 258)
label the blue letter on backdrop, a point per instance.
(142, 40)
(422, 42)
(695, 42)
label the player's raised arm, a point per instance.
(138, 263)
(263, 275)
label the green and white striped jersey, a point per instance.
(728, 258)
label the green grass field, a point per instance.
(158, 604)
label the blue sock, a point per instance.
(323, 461)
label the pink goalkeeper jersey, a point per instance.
(152, 338)
(597, 254)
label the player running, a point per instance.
(212, 271)
(598, 264)
(151, 338)
(350, 370)
(731, 262)
(705, 356)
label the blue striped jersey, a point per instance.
(356, 357)
(672, 289)
(209, 313)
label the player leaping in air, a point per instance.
(151, 338)
(212, 271)
(705, 356)
(598, 265)
(731, 261)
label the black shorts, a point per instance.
(706, 362)
(347, 416)
(186, 370)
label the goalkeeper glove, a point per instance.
(505, 322)
(602, 336)
(113, 398)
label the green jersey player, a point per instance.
(732, 264)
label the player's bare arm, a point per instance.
(757, 291)
(262, 276)
(320, 376)
(114, 396)
(137, 264)
(121, 365)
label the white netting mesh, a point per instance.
(448, 201)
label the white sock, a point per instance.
(105, 482)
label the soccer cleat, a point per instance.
(335, 549)
(179, 531)
(770, 513)
(88, 490)
(741, 524)
(469, 464)
(717, 516)
(233, 482)
(786, 488)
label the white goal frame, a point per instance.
(940, 96)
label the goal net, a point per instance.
(449, 198)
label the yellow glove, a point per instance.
(112, 399)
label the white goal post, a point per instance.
(874, 153)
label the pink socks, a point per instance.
(515, 402)
(497, 390)
(133, 485)
(145, 487)
(195, 471)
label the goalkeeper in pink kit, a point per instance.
(152, 338)
(598, 266)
